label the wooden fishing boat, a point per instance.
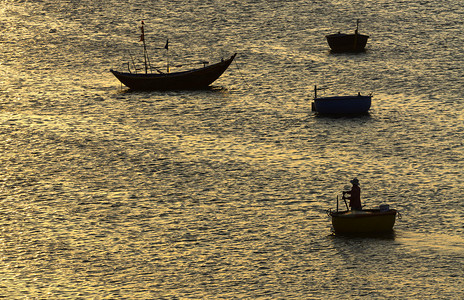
(341, 42)
(341, 104)
(199, 78)
(364, 221)
(186, 80)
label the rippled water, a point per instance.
(223, 193)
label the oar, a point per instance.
(347, 209)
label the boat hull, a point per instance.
(340, 42)
(342, 105)
(365, 221)
(187, 80)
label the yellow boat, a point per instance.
(364, 221)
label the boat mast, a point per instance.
(142, 38)
(356, 35)
(167, 55)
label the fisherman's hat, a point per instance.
(355, 181)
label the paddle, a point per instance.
(344, 199)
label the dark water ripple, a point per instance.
(223, 193)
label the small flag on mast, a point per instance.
(142, 36)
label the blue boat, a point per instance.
(341, 105)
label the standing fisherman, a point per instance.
(355, 195)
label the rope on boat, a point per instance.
(157, 68)
(329, 212)
(241, 75)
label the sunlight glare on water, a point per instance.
(222, 194)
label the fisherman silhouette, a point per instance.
(355, 195)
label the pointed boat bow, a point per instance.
(186, 80)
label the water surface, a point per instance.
(223, 193)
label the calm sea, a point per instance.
(222, 194)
